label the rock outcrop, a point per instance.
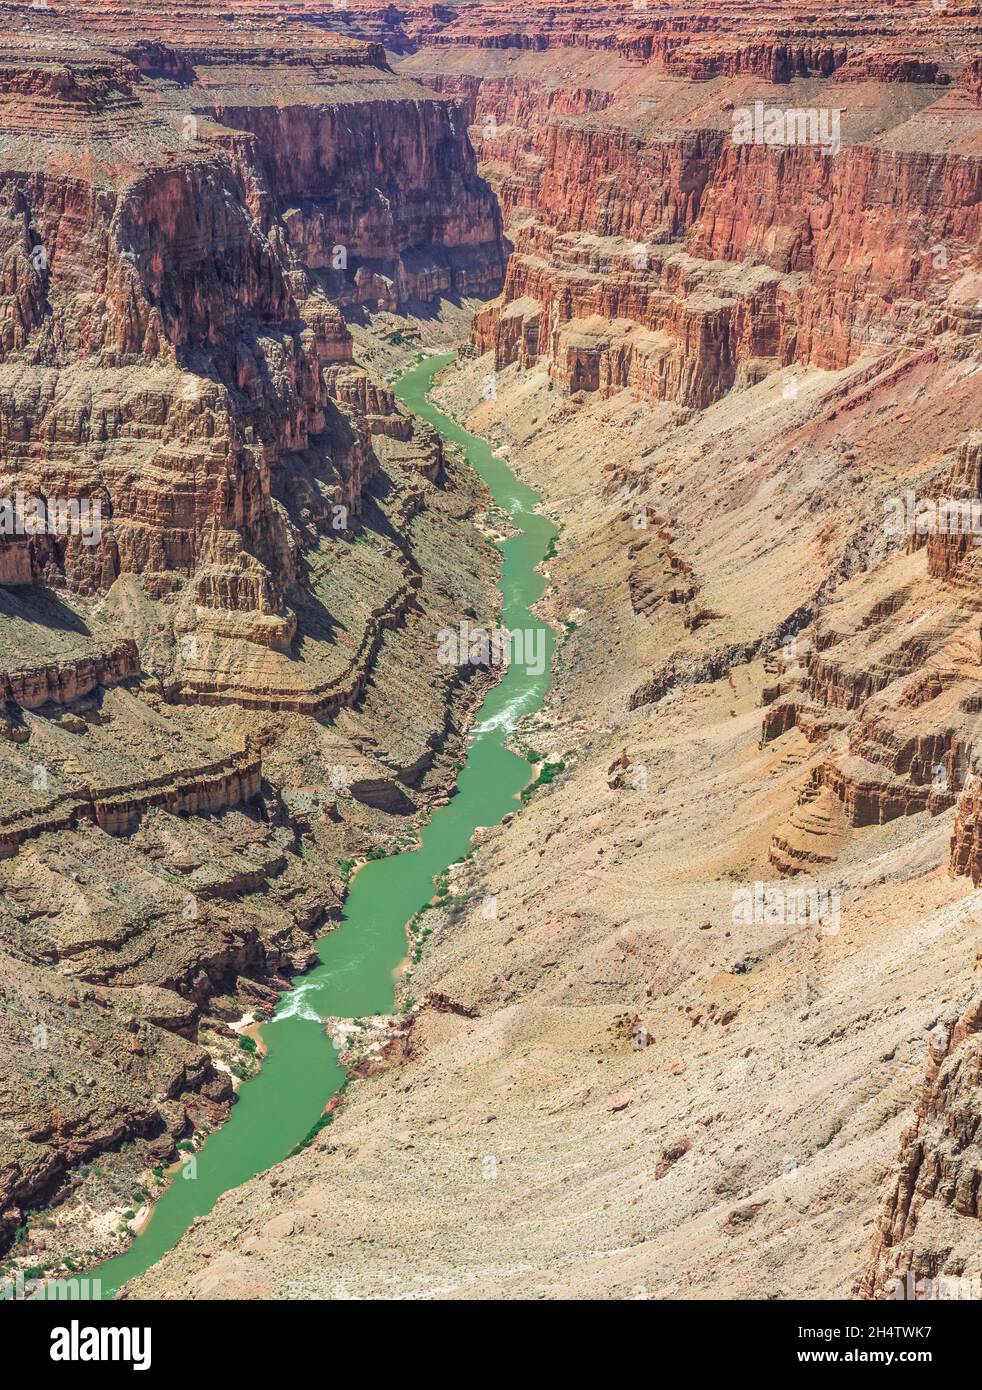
(626, 186)
(214, 531)
(724, 362)
(928, 1242)
(677, 1056)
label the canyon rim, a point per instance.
(333, 336)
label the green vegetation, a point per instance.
(357, 962)
(548, 773)
(326, 1119)
(311, 1134)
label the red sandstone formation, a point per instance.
(924, 1236)
(625, 186)
(117, 810)
(188, 206)
(192, 190)
(64, 682)
(653, 252)
(190, 203)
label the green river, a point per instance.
(359, 961)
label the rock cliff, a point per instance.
(721, 1024)
(234, 514)
(726, 363)
(927, 1244)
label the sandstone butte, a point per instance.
(720, 364)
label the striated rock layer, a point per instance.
(725, 364)
(213, 616)
(927, 1244)
(652, 1070)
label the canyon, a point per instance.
(277, 539)
(722, 364)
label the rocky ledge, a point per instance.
(213, 695)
